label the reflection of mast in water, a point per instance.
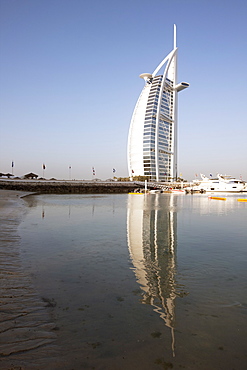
(151, 227)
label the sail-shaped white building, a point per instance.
(152, 141)
(152, 242)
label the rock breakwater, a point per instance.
(69, 187)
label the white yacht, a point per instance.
(219, 184)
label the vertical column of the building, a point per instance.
(149, 133)
(159, 127)
(175, 114)
(157, 130)
(174, 131)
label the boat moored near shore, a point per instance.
(219, 184)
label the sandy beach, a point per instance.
(27, 333)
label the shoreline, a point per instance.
(28, 339)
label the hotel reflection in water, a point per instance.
(151, 229)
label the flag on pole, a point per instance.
(113, 170)
(43, 166)
(12, 164)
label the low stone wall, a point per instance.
(65, 187)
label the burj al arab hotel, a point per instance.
(152, 141)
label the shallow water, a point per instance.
(141, 281)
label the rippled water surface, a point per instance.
(141, 281)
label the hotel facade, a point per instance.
(152, 141)
(152, 243)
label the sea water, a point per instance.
(153, 281)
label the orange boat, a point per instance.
(219, 198)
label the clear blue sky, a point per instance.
(69, 81)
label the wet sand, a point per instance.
(27, 333)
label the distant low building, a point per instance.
(31, 176)
(8, 175)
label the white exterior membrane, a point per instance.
(152, 142)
